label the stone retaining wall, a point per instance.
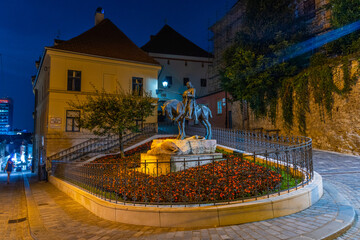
(340, 133)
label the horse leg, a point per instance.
(180, 129)
(208, 129)
(204, 124)
(183, 128)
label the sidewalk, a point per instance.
(51, 214)
(63, 218)
(13, 210)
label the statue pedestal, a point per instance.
(182, 147)
(156, 165)
(172, 155)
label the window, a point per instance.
(186, 80)
(137, 86)
(72, 117)
(169, 80)
(203, 82)
(219, 107)
(74, 80)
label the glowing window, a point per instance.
(72, 120)
(219, 107)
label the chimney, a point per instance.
(57, 41)
(37, 63)
(99, 15)
(33, 79)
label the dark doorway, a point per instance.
(230, 119)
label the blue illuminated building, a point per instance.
(6, 115)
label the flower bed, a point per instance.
(226, 180)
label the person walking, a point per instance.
(9, 168)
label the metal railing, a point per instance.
(200, 181)
(99, 145)
(249, 141)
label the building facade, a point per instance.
(6, 115)
(181, 61)
(220, 109)
(101, 58)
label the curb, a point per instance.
(199, 217)
(36, 226)
(343, 221)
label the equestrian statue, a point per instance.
(187, 110)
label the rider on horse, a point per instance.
(189, 102)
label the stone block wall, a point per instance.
(340, 132)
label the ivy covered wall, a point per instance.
(337, 131)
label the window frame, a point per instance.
(219, 107)
(137, 84)
(73, 120)
(74, 81)
(203, 82)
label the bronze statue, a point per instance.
(189, 101)
(187, 110)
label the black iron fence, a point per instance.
(250, 141)
(99, 145)
(280, 164)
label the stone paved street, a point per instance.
(71, 221)
(63, 218)
(344, 172)
(13, 211)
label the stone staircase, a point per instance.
(116, 149)
(93, 147)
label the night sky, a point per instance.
(26, 27)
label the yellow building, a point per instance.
(102, 57)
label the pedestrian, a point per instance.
(8, 168)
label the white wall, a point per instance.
(174, 66)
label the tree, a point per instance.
(255, 73)
(113, 113)
(250, 71)
(344, 12)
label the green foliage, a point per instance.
(113, 113)
(250, 72)
(302, 98)
(344, 12)
(253, 75)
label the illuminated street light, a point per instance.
(165, 83)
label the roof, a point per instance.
(168, 41)
(106, 40)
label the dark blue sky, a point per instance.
(26, 27)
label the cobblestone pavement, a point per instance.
(66, 219)
(343, 171)
(69, 220)
(13, 210)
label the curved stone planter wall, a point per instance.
(205, 216)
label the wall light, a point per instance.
(165, 83)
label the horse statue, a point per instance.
(175, 111)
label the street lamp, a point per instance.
(165, 83)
